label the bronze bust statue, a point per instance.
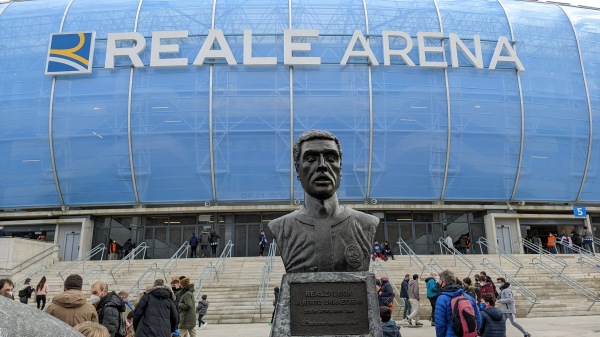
(323, 236)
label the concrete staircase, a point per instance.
(232, 294)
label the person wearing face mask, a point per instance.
(109, 307)
(6, 288)
(450, 289)
(71, 306)
(507, 304)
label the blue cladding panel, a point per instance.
(251, 106)
(556, 112)
(26, 176)
(588, 31)
(485, 108)
(170, 110)
(331, 97)
(90, 132)
(409, 109)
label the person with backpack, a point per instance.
(25, 291)
(507, 304)
(432, 294)
(456, 313)
(493, 322)
(469, 288)
(110, 308)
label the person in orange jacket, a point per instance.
(552, 243)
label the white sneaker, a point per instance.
(204, 326)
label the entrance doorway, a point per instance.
(71, 251)
(504, 238)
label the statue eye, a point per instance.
(331, 158)
(310, 159)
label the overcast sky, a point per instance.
(590, 3)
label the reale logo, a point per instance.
(70, 53)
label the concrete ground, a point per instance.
(580, 326)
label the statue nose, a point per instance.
(321, 162)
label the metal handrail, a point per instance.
(211, 268)
(457, 255)
(568, 281)
(433, 264)
(142, 280)
(25, 264)
(172, 262)
(501, 253)
(378, 268)
(412, 257)
(543, 253)
(265, 278)
(597, 242)
(31, 274)
(81, 260)
(516, 285)
(91, 272)
(577, 249)
(142, 247)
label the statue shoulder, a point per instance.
(364, 218)
(276, 225)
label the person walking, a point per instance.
(443, 306)
(25, 291)
(386, 293)
(201, 310)
(214, 242)
(404, 296)
(432, 294)
(507, 304)
(413, 298)
(41, 290)
(156, 313)
(187, 309)
(110, 308)
(262, 242)
(72, 306)
(493, 322)
(194, 245)
(204, 242)
(275, 302)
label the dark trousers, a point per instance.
(203, 249)
(200, 321)
(432, 302)
(407, 308)
(40, 299)
(214, 250)
(262, 249)
(193, 252)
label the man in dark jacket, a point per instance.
(386, 293)
(127, 247)
(443, 311)
(109, 307)
(493, 322)
(194, 245)
(156, 312)
(404, 296)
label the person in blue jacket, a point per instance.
(443, 311)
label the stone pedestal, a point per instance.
(331, 304)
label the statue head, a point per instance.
(318, 162)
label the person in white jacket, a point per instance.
(507, 304)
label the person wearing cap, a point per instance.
(187, 309)
(71, 306)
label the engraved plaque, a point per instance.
(320, 309)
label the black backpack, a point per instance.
(122, 330)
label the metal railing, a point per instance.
(586, 258)
(501, 254)
(435, 266)
(412, 257)
(141, 248)
(597, 243)
(575, 248)
(543, 253)
(265, 278)
(514, 284)
(91, 273)
(31, 274)
(29, 262)
(568, 281)
(215, 268)
(99, 249)
(379, 269)
(457, 255)
(134, 290)
(172, 262)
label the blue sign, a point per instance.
(579, 211)
(70, 53)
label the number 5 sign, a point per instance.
(579, 211)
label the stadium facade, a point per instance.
(153, 119)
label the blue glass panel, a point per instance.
(556, 111)
(170, 110)
(587, 24)
(409, 109)
(26, 176)
(90, 114)
(485, 107)
(251, 107)
(331, 97)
